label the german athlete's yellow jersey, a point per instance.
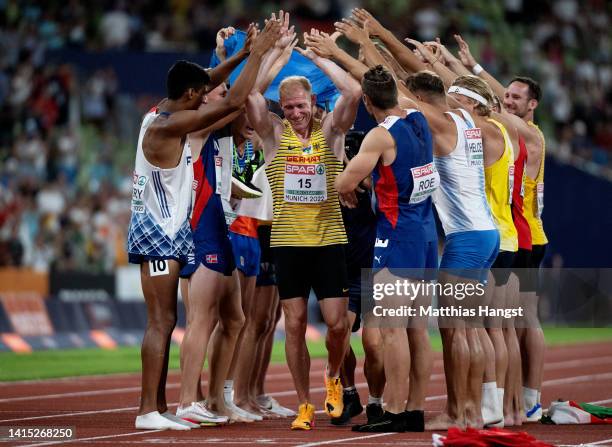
(306, 206)
(533, 203)
(499, 182)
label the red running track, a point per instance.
(103, 408)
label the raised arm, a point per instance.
(436, 60)
(375, 143)
(345, 110)
(359, 35)
(222, 71)
(474, 67)
(325, 46)
(256, 106)
(222, 35)
(278, 56)
(452, 62)
(187, 121)
(400, 52)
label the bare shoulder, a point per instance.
(378, 137)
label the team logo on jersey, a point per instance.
(307, 150)
(212, 259)
(381, 243)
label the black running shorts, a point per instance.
(298, 269)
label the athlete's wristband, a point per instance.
(477, 69)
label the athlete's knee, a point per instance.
(260, 326)
(295, 325)
(233, 324)
(163, 323)
(338, 328)
(372, 346)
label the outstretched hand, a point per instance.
(322, 44)
(427, 55)
(252, 32)
(361, 16)
(352, 31)
(224, 34)
(268, 37)
(465, 56)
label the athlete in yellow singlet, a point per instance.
(499, 178)
(304, 157)
(534, 200)
(520, 100)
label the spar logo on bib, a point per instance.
(300, 169)
(425, 181)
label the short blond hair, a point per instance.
(291, 82)
(477, 85)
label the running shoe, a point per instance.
(231, 406)
(199, 414)
(333, 399)
(373, 412)
(244, 190)
(534, 414)
(179, 420)
(270, 404)
(352, 408)
(155, 421)
(387, 423)
(305, 419)
(242, 187)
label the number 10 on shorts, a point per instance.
(158, 267)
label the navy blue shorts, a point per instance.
(414, 255)
(216, 255)
(247, 253)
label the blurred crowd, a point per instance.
(64, 184)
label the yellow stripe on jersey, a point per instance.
(305, 224)
(530, 201)
(498, 193)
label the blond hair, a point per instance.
(291, 82)
(477, 85)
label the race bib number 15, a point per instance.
(305, 183)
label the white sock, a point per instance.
(530, 396)
(539, 397)
(228, 390)
(375, 400)
(490, 404)
(350, 389)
